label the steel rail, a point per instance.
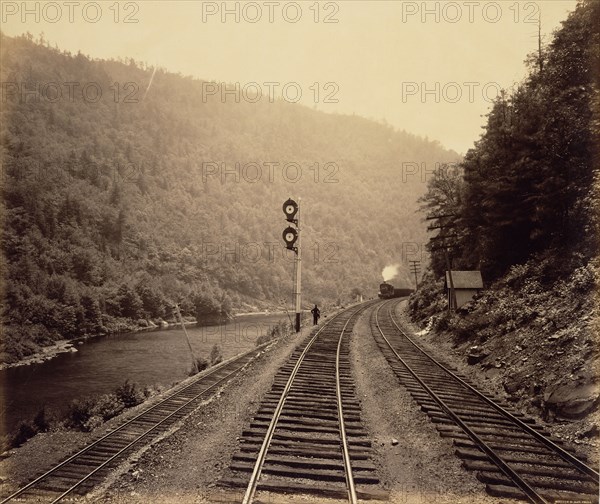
(133, 419)
(345, 451)
(561, 452)
(262, 454)
(140, 437)
(529, 491)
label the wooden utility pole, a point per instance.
(415, 268)
(194, 361)
(540, 58)
(452, 299)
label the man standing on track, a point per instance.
(316, 314)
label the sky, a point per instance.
(430, 68)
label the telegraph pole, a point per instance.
(415, 268)
(187, 338)
(291, 237)
(452, 301)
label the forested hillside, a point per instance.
(527, 187)
(111, 213)
(523, 208)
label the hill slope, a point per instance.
(119, 198)
(523, 209)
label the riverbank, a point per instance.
(46, 353)
(47, 448)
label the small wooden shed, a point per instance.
(466, 285)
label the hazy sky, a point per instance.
(427, 67)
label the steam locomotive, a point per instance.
(388, 291)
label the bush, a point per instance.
(151, 390)
(215, 355)
(43, 420)
(87, 414)
(280, 330)
(201, 364)
(91, 423)
(107, 406)
(130, 394)
(79, 413)
(25, 431)
(429, 300)
(582, 279)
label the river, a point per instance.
(101, 364)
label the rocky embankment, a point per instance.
(536, 342)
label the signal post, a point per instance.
(291, 237)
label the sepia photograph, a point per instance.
(300, 252)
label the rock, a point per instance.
(394, 441)
(591, 431)
(476, 355)
(572, 400)
(511, 386)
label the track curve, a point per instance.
(512, 455)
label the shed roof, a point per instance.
(465, 279)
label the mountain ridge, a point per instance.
(113, 209)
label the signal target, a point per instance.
(290, 235)
(290, 209)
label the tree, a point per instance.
(442, 204)
(130, 304)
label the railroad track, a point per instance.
(80, 472)
(512, 455)
(307, 436)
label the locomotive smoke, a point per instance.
(390, 272)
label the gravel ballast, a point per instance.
(420, 467)
(415, 464)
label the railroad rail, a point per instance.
(307, 435)
(80, 472)
(512, 455)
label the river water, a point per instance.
(102, 364)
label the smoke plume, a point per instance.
(390, 272)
